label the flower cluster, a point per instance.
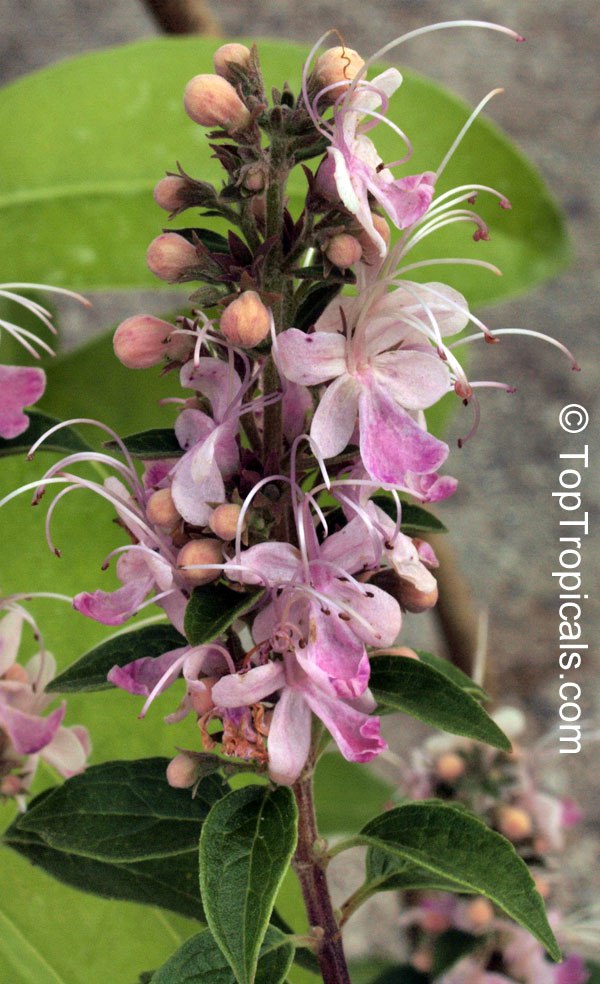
(509, 791)
(26, 736)
(301, 422)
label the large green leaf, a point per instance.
(213, 608)
(200, 961)
(122, 811)
(89, 672)
(449, 842)
(245, 848)
(453, 673)
(65, 439)
(417, 689)
(78, 170)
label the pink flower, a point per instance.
(571, 971)
(20, 387)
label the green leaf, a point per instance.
(385, 873)
(73, 165)
(66, 439)
(246, 846)
(451, 843)
(453, 673)
(213, 608)
(158, 442)
(415, 519)
(417, 689)
(89, 671)
(170, 882)
(122, 811)
(339, 808)
(450, 947)
(594, 970)
(200, 961)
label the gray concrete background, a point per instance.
(504, 525)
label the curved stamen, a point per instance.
(525, 331)
(476, 418)
(84, 420)
(458, 139)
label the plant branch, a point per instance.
(310, 866)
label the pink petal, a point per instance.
(10, 639)
(214, 379)
(193, 426)
(245, 689)
(142, 675)
(113, 607)
(67, 753)
(351, 547)
(380, 615)
(273, 563)
(335, 416)
(391, 443)
(296, 402)
(311, 359)
(20, 387)
(356, 735)
(29, 733)
(572, 971)
(335, 650)
(289, 737)
(415, 380)
(192, 498)
(405, 200)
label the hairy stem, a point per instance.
(310, 866)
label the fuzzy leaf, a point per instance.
(453, 673)
(246, 845)
(212, 609)
(451, 843)
(159, 442)
(65, 440)
(417, 689)
(122, 811)
(89, 671)
(200, 961)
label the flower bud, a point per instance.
(422, 960)
(370, 250)
(168, 192)
(450, 767)
(339, 64)
(170, 257)
(224, 519)
(231, 54)
(413, 600)
(182, 771)
(479, 913)
(143, 341)
(246, 321)
(542, 885)
(16, 673)
(325, 184)
(212, 101)
(514, 823)
(343, 251)
(254, 179)
(204, 551)
(161, 510)
(434, 921)
(11, 786)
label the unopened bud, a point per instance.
(182, 771)
(223, 520)
(514, 823)
(413, 600)
(434, 921)
(161, 510)
(343, 251)
(254, 179)
(450, 767)
(200, 552)
(11, 786)
(168, 193)
(542, 885)
(228, 55)
(16, 673)
(325, 184)
(422, 960)
(170, 257)
(212, 101)
(258, 207)
(370, 250)
(246, 321)
(337, 65)
(479, 913)
(143, 341)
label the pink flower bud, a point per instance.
(231, 54)
(246, 321)
(168, 192)
(200, 552)
(434, 921)
(514, 823)
(450, 767)
(142, 341)
(224, 519)
(182, 771)
(369, 248)
(161, 510)
(212, 101)
(343, 251)
(170, 257)
(325, 184)
(479, 913)
(335, 65)
(413, 600)
(17, 674)
(422, 960)
(254, 179)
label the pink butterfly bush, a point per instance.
(298, 406)
(26, 736)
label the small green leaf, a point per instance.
(122, 811)
(450, 947)
(89, 672)
(246, 846)
(417, 689)
(66, 439)
(200, 961)
(171, 882)
(158, 442)
(453, 673)
(451, 843)
(212, 609)
(415, 519)
(313, 305)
